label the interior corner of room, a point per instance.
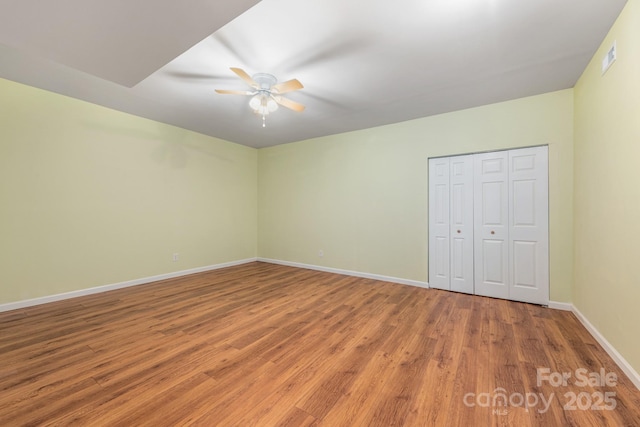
(93, 199)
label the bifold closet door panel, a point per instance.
(461, 231)
(529, 225)
(439, 263)
(491, 230)
(489, 226)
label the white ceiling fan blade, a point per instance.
(246, 77)
(235, 92)
(292, 105)
(288, 86)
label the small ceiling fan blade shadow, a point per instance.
(196, 76)
(324, 100)
(288, 86)
(235, 92)
(328, 51)
(287, 103)
(226, 43)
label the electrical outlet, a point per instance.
(175, 257)
(320, 253)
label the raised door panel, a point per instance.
(439, 222)
(461, 230)
(529, 225)
(491, 231)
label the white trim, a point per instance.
(610, 349)
(347, 272)
(564, 306)
(98, 289)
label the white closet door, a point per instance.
(529, 225)
(491, 231)
(461, 230)
(439, 267)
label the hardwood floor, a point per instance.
(263, 345)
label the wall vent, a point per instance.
(609, 58)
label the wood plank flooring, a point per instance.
(267, 345)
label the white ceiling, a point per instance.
(363, 63)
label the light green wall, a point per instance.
(90, 196)
(607, 189)
(361, 197)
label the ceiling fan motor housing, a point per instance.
(264, 80)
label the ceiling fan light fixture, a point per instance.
(255, 102)
(272, 105)
(265, 97)
(263, 104)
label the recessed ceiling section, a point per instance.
(122, 41)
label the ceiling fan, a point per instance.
(266, 93)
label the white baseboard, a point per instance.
(564, 306)
(610, 349)
(98, 289)
(348, 272)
